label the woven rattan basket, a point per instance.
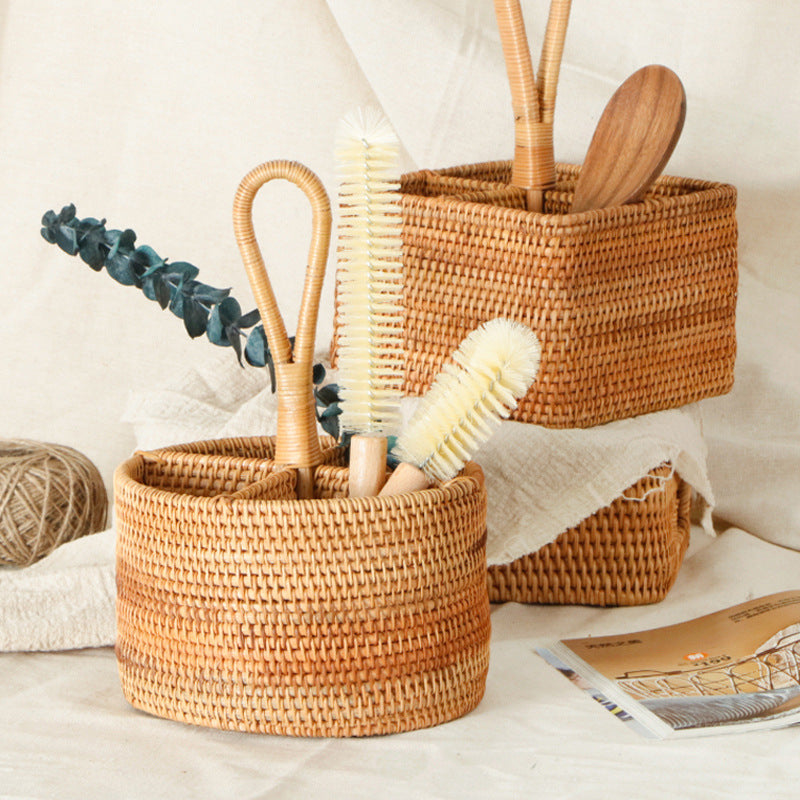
(240, 607)
(254, 595)
(628, 553)
(634, 305)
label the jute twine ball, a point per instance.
(49, 494)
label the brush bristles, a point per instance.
(369, 276)
(494, 367)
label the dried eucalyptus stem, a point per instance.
(204, 309)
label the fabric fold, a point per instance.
(66, 601)
(541, 481)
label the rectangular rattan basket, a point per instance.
(634, 305)
(628, 553)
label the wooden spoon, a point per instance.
(633, 141)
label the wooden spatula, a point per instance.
(634, 139)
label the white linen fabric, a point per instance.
(149, 114)
(65, 601)
(541, 482)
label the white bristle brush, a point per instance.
(493, 368)
(369, 294)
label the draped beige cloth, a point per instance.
(149, 114)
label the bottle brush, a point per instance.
(369, 294)
(491, 370)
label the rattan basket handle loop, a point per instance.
(297, 442)
(533, 99)
(306, 180)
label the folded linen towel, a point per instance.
(66, 601)
(542, 482)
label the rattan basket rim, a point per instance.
(697, 192)
(125, 480)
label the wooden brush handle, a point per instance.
(533, 99)
(367, 465)
(406, 478)
(297, 440)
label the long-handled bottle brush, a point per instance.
(369, 294)
(491, 370)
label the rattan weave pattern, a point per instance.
(319, 617)
(634, 305)
(627, 553)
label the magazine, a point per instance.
(730, 671)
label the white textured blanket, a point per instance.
(64, 602)
(540, 482)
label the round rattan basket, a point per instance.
(253, 594)
(242, 608)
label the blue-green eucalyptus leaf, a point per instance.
(249, 319)
(195, 317)
(318, 374)
(177, 304)
(152, 280)
(49, 223)
(216, 328)
(326, 395)
(273, 381)
(161, 289)
(234, 336)
(120, 241)
(332, 410)
(143, 258)
(66, 238)
(207, 295)
(157, 268)
(182, 271)
(330, 425)
(59, 229)
(90, 223)
(67, 214)
(391, 459)
(118, 259)
(255, 349)
(228, 311)
(92, 242)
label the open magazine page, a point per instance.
(734, 670)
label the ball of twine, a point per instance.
(49, 494)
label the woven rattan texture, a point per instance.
(634, 305)
(628, 553)
(321, 617)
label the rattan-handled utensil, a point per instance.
(533, 98)
(297, 442)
